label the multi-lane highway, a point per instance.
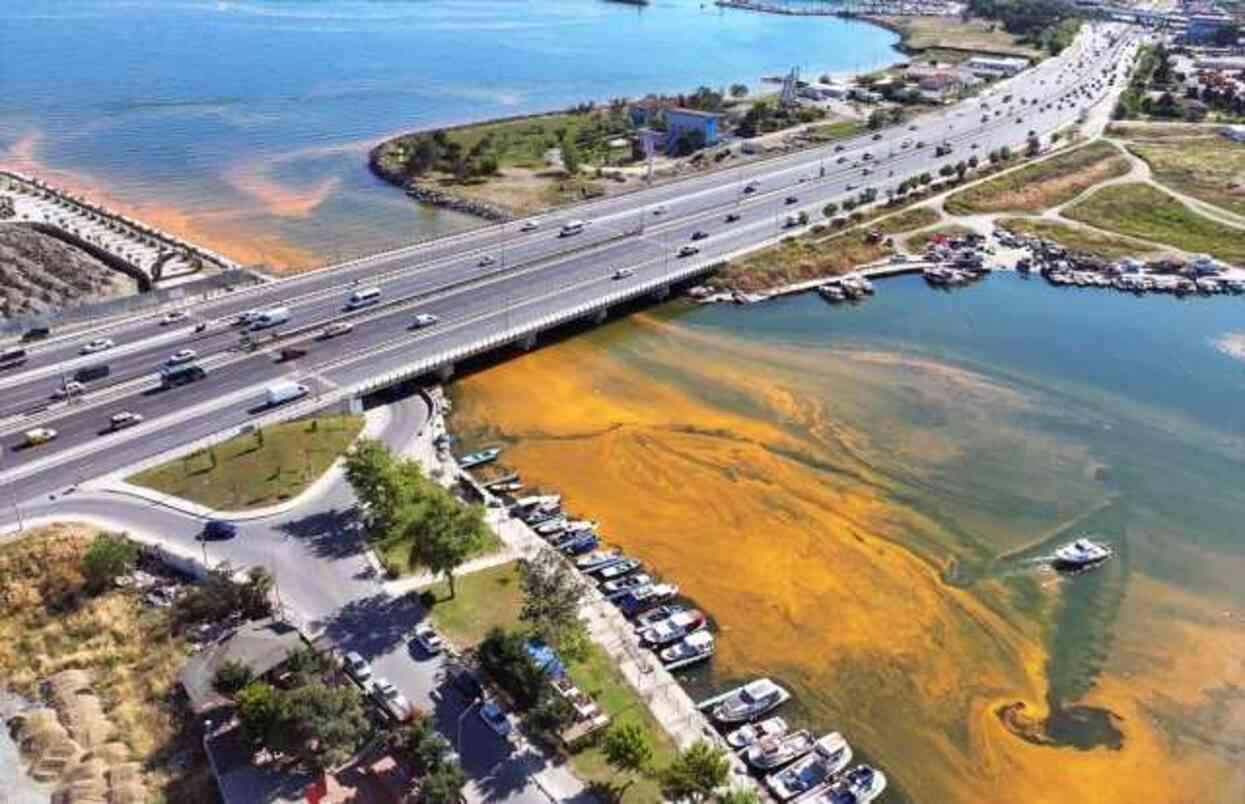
(494, 282)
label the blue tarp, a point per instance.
(545, 658)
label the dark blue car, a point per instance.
(217, 529)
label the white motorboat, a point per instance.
(750, 701)
(673, 628)
(751, 733)
(653, 616)
(692, 649)
(598, 559)
(620, 585)
(860, 785)
(1080, 553)
(612, 571)
(828, 758)
(778, 751)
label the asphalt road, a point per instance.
(316, 554)
(537, 275)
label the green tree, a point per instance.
(570, 154)
(231, 677)
(373, 474)
(627, 749)
(739, 795)
(738, 91)
(327, 724)
(695, 773)
(422, 744)
(552, 596)
(829, 210)
(109, 557)
(261, 713)
(877, 119)
(444, 785)
(218, 596)
(503, 654)
(447, 534)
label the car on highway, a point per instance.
(660, 209)
(699, 234)
(841, 160)
(68, 389)
(529, 226)
(96, 345)
(336, 328)
(732, 217)
(391, 700)
(181, 356)
(877, 136)
(245, 317)
(38, 435)
(218, 530)
(356, 667)
(623, 273)
(688, 251)
(173, 316)
(750, 187)
(124, 419)
(495, 719)
(791, 199)
(487, 259)
(838, 148)
(284, 391)
(424, 320)
(428, 639)
(866, 156)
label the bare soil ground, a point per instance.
(1044, 184)
(40, 274)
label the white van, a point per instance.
(362, 298)
(270, 317)
(572, 228)
(286, 391)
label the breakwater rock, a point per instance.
(444, 200)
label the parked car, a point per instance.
(218, 530)
(357, 668)
(428, 639)
(496, 719)
(391, 700)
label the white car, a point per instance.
(357, 668)
(181, 356)
(529, 226)
(97, 345)
(173, 317)
(425, 320)
(428, 639)
(119, 421)
(687, 251)
(495, 718)
(393, 701)
(337, 328)
(487, 259)
(623, 273)
(660, 209)
(70, 388)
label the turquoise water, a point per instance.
(252, 119)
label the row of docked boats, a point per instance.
(846, 288)
(1145, 283)
(796, 766)
(945, 276)
(676, 632)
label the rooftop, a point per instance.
(260, 645)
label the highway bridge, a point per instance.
(493, 287)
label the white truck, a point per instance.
(270, 317)
(286, 391)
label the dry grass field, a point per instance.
(1044, 184)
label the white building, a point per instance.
(821, 91)
(995, 65)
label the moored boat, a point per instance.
(620, 585)
(645, 598)
(1080, 553)
(583, 542)
(751, 733)
(598, 560)
(860, 785)
(673, 628)
(617, 570)
(814, 771)
(656, 615)
(774, 752)
(750, 701)
(480, 458)
(691, 649)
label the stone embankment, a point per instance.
(444, 200)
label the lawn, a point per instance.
(1202, 164)
(1044, 184)
(523, 143)
(919, 241)
(490, 598)
(1143, 211)
(49, 624)
(257, 469)
(1107, 246)
(838, 130)
(395, 556)
(951, 33)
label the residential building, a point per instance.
(1205, 27)
(821, 91)
(690, 125)
(995, 66)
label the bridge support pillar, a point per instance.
(444, 373)
(600, 315)
(528, 343)
(662, 293)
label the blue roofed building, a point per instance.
(690, 130)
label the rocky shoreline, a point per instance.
(381, 164)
